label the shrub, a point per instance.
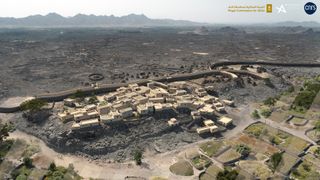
(243, 149)
(227, 175)
(270, 101)
(137, 156)
(255, 114)
(33, 105)
(275, 160)
(27, 162)
(266, 112)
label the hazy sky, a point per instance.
(211, 11)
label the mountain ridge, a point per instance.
(82, 20)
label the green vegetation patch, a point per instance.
(58, 172)
(200, 162)
(255, 129)
(212, 148)
(266, 112)
(298, 121)
(287, 162)
(256, 168)
(33, 105)
(4, 148)
(182, 168)
(305, 97)
(229, 155)
(305, 170)
(294, 144)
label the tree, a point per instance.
(275, 160)
(317, 126)
(243, 149)
(33, 105)
(227, 175)
(27, 162)
(52, 167)
(137, 156)
(270, 101)
(255, 114)
(266, 112)
(4, 132)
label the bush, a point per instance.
(270, 101)
(243, 149)
(137, 156)
(255, 114)
(227, 175)
(306, 96)
(33, 105)
(266, 112)
(27, 162)
(275, 160)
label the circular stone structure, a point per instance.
(96, 77)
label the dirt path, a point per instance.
(154, 165)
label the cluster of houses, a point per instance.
(136, 101)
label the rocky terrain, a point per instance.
(48, 60)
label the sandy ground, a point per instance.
(154, 165)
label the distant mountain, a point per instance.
(81, 20)
(294, 24)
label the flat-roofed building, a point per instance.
(66, 116)
(90, 107)
(120, 105)
(170, 100)
(201, 92)
(150, 107)
(228, 102)
(181, 92)
(220, 109)
(213, 128)
(127, 112)
(172, 90)
(157, 100)
(89, 123)
(173, 122)
(160, 92)
(110, 97)
(143, 90)
(132, 86)
(206, 110)
(225, 121)
(167, 106)
(195, 115)
(158, 107)
(178, 84)
(207, 99)
(202, 130)
(142, 109)
(208, 122)
(140, 99)
(80, 117)
(217, 104)
(75, 126)
(197, 104)
(69, 102)
(105, 109)
(184, 104)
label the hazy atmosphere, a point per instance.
(209, 11)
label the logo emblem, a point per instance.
(269, 8)
(281, 9)
(310, 8)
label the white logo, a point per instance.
(281, 9)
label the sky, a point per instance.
(209, 11)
